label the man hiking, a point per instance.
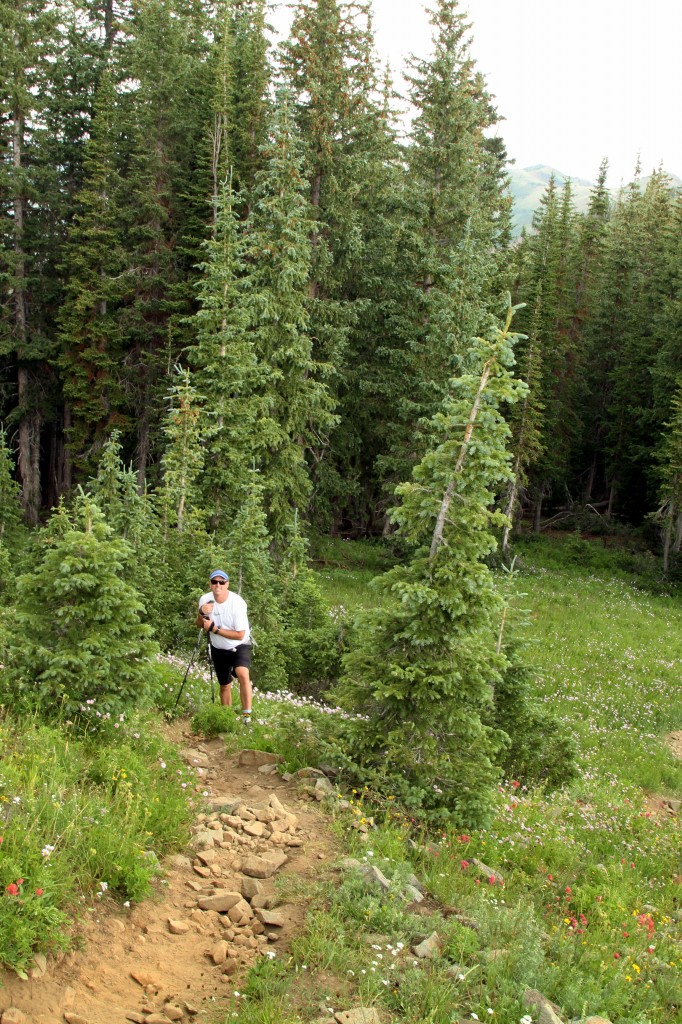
(224, 617)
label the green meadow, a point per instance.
(575, 893)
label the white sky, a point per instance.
(575, 80)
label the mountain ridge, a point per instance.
(528, 185)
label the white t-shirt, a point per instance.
(231, 614)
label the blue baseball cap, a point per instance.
(218, 574)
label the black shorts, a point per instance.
(226, 661)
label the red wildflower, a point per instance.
(616, 956)
(568, 890)
(464, 864)
(516, 784)
(491, 879)
(20, 881)
(12, 889)
(464, 838)
(39, 892)
(550, 878)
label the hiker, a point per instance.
(224, 617)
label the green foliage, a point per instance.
(88, 642)
(541, 748)
(314, 631)
(423, 667)
(80, 819)
(214, 719)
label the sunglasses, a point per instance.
(218, 583)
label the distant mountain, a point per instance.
(528, 185)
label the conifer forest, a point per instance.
(243, 306)
(230, 256)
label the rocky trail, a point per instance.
(181, 956)
(218, 908)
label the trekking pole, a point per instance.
(210, 669)
(191, 662)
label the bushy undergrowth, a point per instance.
(79, 820)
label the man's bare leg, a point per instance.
(245, 689)
(226, 695)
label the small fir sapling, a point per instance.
(92, 643)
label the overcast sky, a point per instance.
(575, 80)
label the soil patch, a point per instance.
(181, 955)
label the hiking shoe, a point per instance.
(246, 719)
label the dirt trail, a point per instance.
(187, 958)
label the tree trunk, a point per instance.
(538, 509)
(667, 537)
(29, 424)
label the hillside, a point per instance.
(529, 183)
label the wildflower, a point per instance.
(464, 864)
(39, 892)
(616, 956)
(47, 850)
(526, 1019)
(12, 889)
(474, 1016)
(568, 890)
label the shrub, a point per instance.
(88, 643)
(213, 719)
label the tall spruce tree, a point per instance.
(92, 343)
(227, 373)
(277, 253)
(168, 185)
(455, 187)
(423, 666)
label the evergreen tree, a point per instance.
(623, 345)
(669, 458)
(423, 666)
(275, 297)
(313, 643)
(455, 182)
(10, 496)
(92, 344)
(226, 371)
(550, 283)
(168, 184)
(93, 647)
(241, 74)
(183, 460)
(30, 33)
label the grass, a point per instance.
(589, 909)
(588, 912)
(78, 819)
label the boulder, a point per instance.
(222, 902)
(429, 949)
(256, 758)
